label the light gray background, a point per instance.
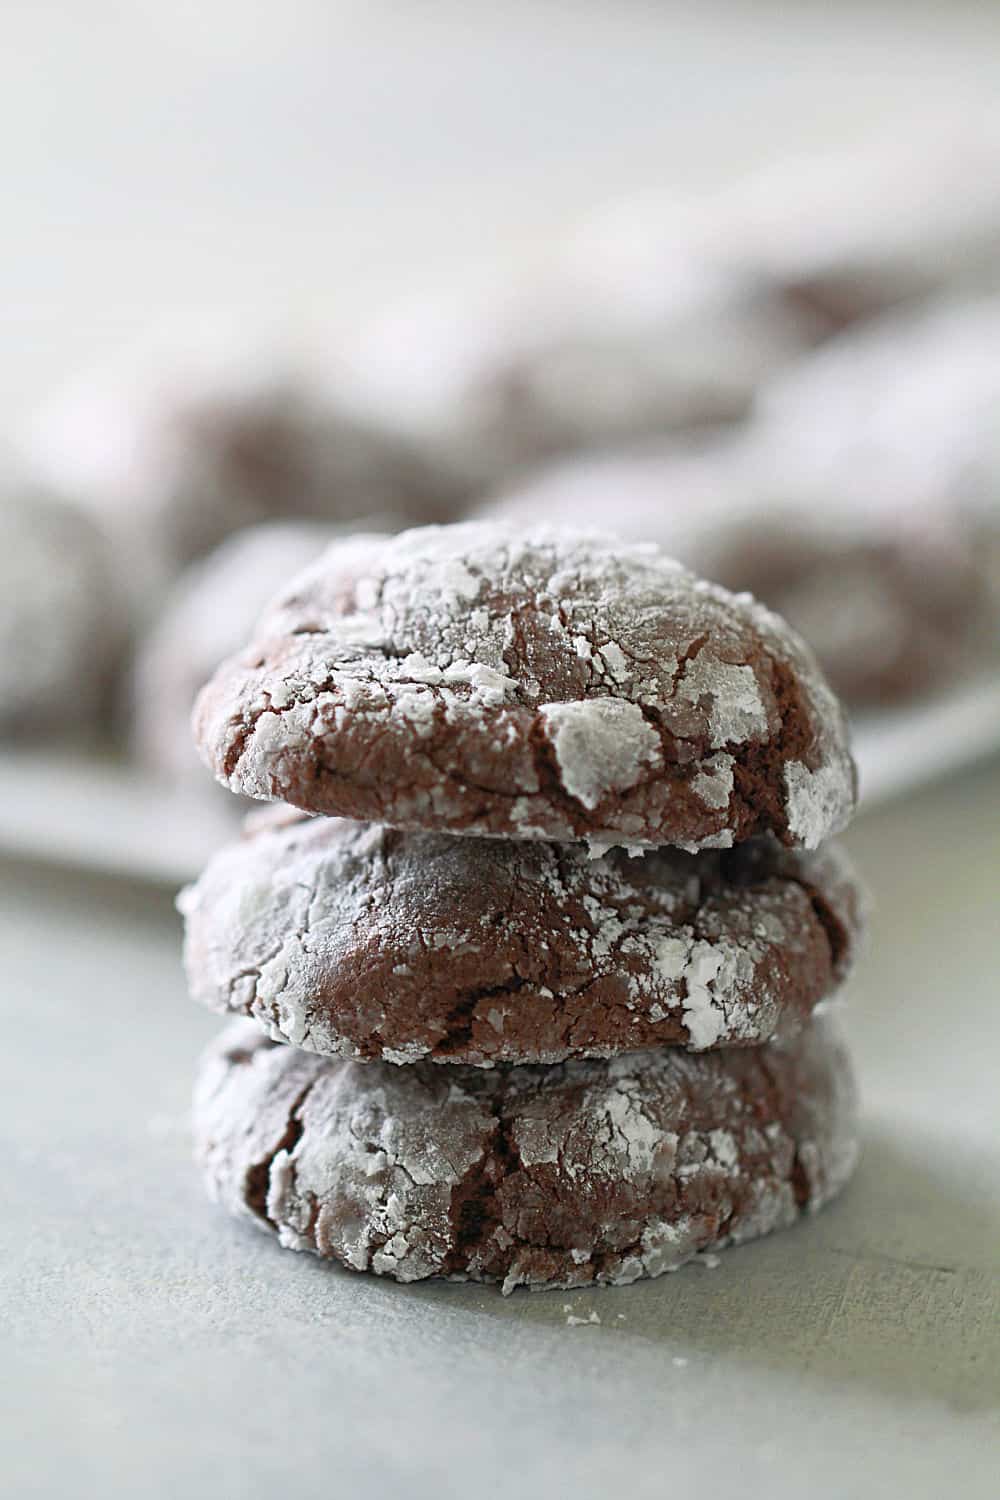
(289, 164)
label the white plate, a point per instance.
(99, 813)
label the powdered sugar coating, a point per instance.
(361, 941)
(461, 677)
(581, 1173)
(601, 745)
(60, 616)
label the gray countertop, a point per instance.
(153, 1348)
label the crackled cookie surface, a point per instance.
(589, 1171)
(539, 685)
(363, 941)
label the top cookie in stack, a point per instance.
(555, 686)
(529, 693)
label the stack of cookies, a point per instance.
(548, 1009)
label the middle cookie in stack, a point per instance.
(555, 690)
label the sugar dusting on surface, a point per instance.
(812, 799)
(601, 745)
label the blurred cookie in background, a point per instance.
(208, 614)
(61, 619)
(668, 493)
(183, 452)
(835, 238)
(863, 503)
(665, 314)
(907, 405)
(497, 381)
(890, 594)
(892, 600)
(904, 413)
(280, 451)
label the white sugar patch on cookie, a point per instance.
(489, 686)
(715, 976)
(736, 710)
(814, 800)
(601, 745)
(631, 1133)
(278, 734)
(714, 782)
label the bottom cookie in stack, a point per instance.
(584, 1172)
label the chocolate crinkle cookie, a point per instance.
(587, 353)
(61, 621)
(366, 942)
(582, 1173)
(282, 453)
(543, 685)
(176, 459)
